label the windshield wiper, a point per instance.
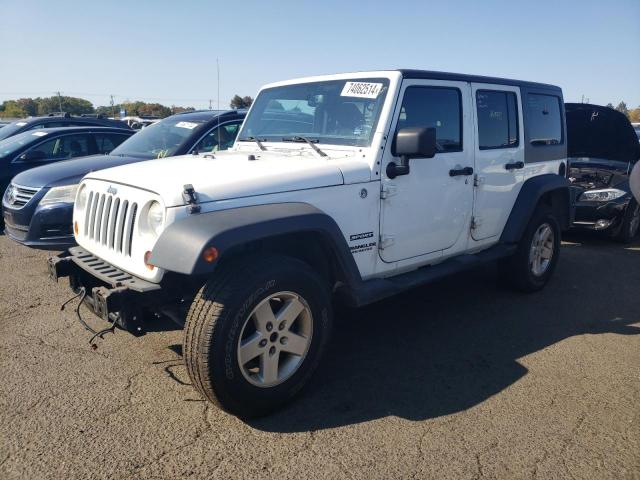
(309, 141)
(253, 139)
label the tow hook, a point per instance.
(191, 197)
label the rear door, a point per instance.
(499, 157)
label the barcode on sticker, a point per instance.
(361, 89)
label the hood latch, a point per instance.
(191, 197)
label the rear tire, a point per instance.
(531, 267)
(255, 333)
(630, 223)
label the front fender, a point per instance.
(180, 247)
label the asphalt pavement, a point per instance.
(463, 379)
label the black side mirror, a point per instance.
(32, 155)
(412, 142)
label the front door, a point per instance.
(499, 157)
(429, 209)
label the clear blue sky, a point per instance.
(166, 51)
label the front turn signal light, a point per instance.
(75, 228)
(147, 256)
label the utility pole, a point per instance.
(59, 101)
(210, 100)
(113, 110)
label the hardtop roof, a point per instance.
(433, 75)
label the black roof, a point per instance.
(83, 128)
(427, 74)
(209, 114)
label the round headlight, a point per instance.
(155, 217)
(81, 200)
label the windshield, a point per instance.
(11, 129)
(341, 112)
(638, 132)
(159, 140)
(14, 143)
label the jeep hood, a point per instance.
(229, 175)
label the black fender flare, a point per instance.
(530, 194)
(181, 245)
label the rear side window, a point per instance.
(67, 146)
(544, 122)
(434, 107)
(105, 142)
(497, 119)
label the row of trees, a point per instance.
(633, 115)
(32, 107)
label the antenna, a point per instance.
(113, 111)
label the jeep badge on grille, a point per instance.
(112, 190)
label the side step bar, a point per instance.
(378, 289)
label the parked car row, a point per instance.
(38, 205)
(353, 187)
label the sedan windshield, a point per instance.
(340, 112)
(159, 140)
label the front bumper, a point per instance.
(44, 228)
(111, 293)
(600, 215)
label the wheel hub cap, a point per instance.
(268, 357)
(541, 252)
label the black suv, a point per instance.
(54, 120)
(44, 219)
(602, 150)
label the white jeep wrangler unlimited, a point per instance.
(356, 186)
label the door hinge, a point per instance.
(386, 241)
(478, 180)
(474, 223)
(388, 190)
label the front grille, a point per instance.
(109, 221)
(18, 196)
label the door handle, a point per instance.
(460, 171)
(514, 166)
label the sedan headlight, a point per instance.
(604, 195)
(65, 194)
(155, 217)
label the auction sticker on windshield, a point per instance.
(361, 89)
(189, 125)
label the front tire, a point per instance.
(630, 223)
(531, 267)
(256, 332)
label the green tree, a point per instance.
(622, 108)
(610, 105)
(72, 105)
(238, 102)
(11, 109)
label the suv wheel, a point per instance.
(630, 223)
(531, 267)
(255, 333)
